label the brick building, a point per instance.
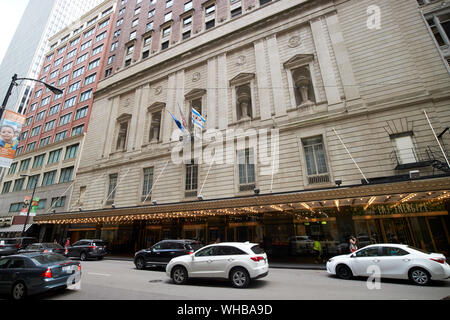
(53, 135)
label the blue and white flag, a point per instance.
(197, 119)
(177, 122)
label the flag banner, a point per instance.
(34, 206)
(183, 119)
(10, 129)
(197, 119)
(177, 122)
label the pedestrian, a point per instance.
(67, 243)
(353, 246)
(317, 249)
(218, 240)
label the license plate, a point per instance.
(68, 269)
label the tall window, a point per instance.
(18, 184)
(66, 175)
(71, 152)
(53, 156)
(49, 178)
(155, 127)
(147, 184)
(38, 161)
(112, 187)
(404, 148)
(316, 162)
(246, 169)
(122, 136)
(32, 182)
(6, 187)
(191, 181)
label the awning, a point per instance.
(15, 228)
(390, 194)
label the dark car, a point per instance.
(161, 253)
(43, 248)
(31, 273)
(10, 246)
(86, 249)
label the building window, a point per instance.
(38, 161)
(85, 95)
(108, 72)
(166, 32)
(147, 184)
(132, 35)
(151, 13)
(155, 127)
(13, 168)
(78, 72)
(236, 12)
(53, 156)
(404, 148)
(111, 59)
(30, 147)
(97, 50)
(71, 152)
(168, 16)
(81, 113)
(70, 102)
(114, 45)
(186, 35)
(35, 131)
(58, 202)
(16, 207)
(85, 45)
(112, 186)
(63, 80)
(40, 116)
(60, 136)
(32, 182)
(90, 79)
(6, 187)
(210, 24)
(188, 6)
(122, 134)
(210, 10)
(82, 58)
(130, 50)
(127, 62)
(74, 87)
(66, 175)
(316, 163)
(77, 130)
(49, 178)
(191, 180)
(263, 2)
(169, 3)
(18, 184)
(103, 24)
(49, 126)
(246, 169)
(94, 64)
(67, 66)
(44, 142)
(65, 119)
(165, 45)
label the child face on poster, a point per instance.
(7, 134)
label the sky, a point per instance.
(11, 12)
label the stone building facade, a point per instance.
(350, 90)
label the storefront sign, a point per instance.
(10, 129)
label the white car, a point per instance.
(391, 261)
(239, 262)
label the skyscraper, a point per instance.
(41, 19)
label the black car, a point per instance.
(10, 246)
(43, 248)
(32, 273)
(86, 249)
(161, 253)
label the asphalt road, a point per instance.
(119, 280)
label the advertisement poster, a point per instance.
(10, 129)
(34, 206)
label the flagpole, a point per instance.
(156, 181)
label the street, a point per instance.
(119, 280)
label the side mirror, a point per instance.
(192, 256)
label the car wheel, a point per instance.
(239, 278)
(19, 291)
(344, 272)
(179, 275)
(83, 256)
(140, 263)
(419, 276)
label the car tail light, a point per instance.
(45, 251)
(440, 260)
(47, 273)
(92, 247)
(79, 267)
(257, 258)
(191, 252)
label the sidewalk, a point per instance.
(272, 264)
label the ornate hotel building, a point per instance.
(52, 138)
(354, 96)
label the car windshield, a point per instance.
(48, 258)
(257, 249)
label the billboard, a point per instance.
(10, 129)
(34, 205)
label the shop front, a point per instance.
(287, 225)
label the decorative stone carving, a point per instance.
(241, 60)
(294, 41)
(196, 76)
(158, 90)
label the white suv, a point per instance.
(239, 262)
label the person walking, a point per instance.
(317, 248)
(353, 246)
(67, 243)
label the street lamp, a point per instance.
(13, 83)
(30, 204)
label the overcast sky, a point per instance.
(11, 12)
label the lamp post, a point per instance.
(13, 83)
(30, 204)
